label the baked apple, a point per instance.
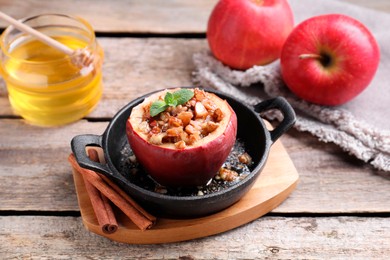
(182, 136)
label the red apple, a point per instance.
(244, 33)
(192, 166)
(329, 59)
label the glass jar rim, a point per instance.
(83, 22)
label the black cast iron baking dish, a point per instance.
(251, 130)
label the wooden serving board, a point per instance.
(278, 179)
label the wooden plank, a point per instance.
(40, 237)
(173, 16)
(330, 181)
(34, 171)
(154, 16)
(379, 5)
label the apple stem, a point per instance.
(258, 2)
(311, 56)
(324, 59)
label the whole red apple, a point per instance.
(244, 33)
(329, 59)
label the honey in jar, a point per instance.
(44, 85)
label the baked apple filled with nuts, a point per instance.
(182, 136)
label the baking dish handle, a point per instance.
(285, 108)
(79, 144)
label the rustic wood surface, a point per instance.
(51, 237)
(340, 208)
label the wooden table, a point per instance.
(340, 208)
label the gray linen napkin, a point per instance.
(361, 127)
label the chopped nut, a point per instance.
(174, 132)
(184, 136)
(227, 175)
(146, 114)
(218, 115)
(192, 138)
(157, 138)
(164, 116)
(200, 110)
(200, 193)
(176, 110)
(185, 117)
(196, 124)
(199, 94)
(190, 129)
(180, 145)
(191, 103)
(209, 105)
(245, 158)
(133, 159)
(209, 127)
(161, 190)
(174, 122)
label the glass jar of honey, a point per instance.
(44, 85)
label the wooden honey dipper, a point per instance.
(80, 57)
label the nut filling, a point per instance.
(182, 125)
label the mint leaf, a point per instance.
(170, 99)
(182, 96)
(157, 107)
(174, 99)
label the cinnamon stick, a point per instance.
(95, 156)
(128, 209)
(129, 199)
(100, 204)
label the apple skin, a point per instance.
(244, 33)
(346, 57)
(192, 166)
